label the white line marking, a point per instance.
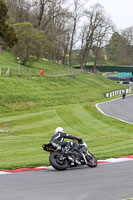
(46, 167)
(4, 173)
(115, 160)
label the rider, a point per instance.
(58, 139)
(124, 94)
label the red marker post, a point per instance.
(41, 73)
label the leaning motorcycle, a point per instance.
(77, 154)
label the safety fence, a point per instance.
(20, 72)
(28, 72)
(116, 92)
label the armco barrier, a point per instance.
(116, 92)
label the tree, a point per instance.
(46, 11)
(128, 35)
(38, 11)
(93, 32)
(117, 49)
(31, 42)
(7, 34)
(76, 14)
(101, 38)
(52, 18)
(41, 46)
(19, 11)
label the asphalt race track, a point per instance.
(105, 182)
(121, 109)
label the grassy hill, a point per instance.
(31, 109)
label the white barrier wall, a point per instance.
(113, 93)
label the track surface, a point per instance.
(105, 182)
(121, 109)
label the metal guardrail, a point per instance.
(116, 92)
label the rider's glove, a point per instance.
(80, 140)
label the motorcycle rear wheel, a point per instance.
(91, 160)
(55, 161)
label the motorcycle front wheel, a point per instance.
(57, 161)
(91, 160)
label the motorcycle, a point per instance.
(77, 154)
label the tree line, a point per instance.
(63, 32)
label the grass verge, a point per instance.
(30, 110)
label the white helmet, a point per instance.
(59, 129)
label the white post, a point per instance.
(8, 73)
(18, 59)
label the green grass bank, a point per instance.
(31, 109)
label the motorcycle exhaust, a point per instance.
(71, 159)
(84, 158)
